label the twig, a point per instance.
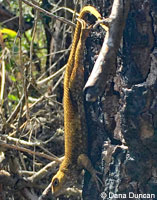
(57, 52)
(8, 20)
(67, 9)
(52, 76)
(57, 83)
(45, 192)
(32, 43)
(20, 36)
(21, 127)
(54, 64)
(75, 14)
(55, 5)
(23, 71)
(28, 195)
(19, 141)
(44, 171)
(47, 152)
(35, 2)
(105, 65)
(70, 191)
(22, 161)
(30, 70)
(2, 78)
(38, 100)
(25, 82)
(26, 173)
(10, 146)
(61, 19)
(16, 110)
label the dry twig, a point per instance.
(3, 145)
(61, 19)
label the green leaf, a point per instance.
(12, 97)
(13, 78)
(8, 32)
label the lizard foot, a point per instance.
(85, 162)
(96, 179)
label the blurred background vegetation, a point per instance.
(34, 49)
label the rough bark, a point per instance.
(123, 122)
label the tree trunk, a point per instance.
(123, 123)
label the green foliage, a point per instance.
(11, 41)
(8, 33)
(13, 78)
(12, 97)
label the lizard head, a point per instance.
(60, 182)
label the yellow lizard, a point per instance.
(76, 158)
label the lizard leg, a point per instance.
(85, 162)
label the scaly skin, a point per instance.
(74, 115)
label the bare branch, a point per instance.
(51, 76)
(3, 145)
(61, 19)
(44, 171)
(105, 65)
(45, 192)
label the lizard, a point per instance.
(76, 158)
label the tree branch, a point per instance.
(105, 65)
(61, 19)
(3, 146)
